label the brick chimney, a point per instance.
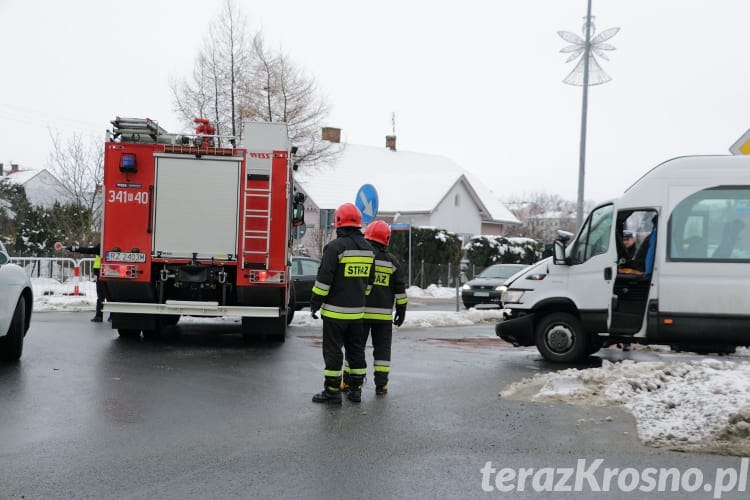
(13, 168)
(332, 134)
(390, 142)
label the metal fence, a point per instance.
(447, 275)
(58, 269)
(63, 275)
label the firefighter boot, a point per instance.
(97, 318)
(346, 382)
(331, 393)
(354, 393)
(381, 378)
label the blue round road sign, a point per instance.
(367, 202)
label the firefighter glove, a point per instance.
(398, 319)
(315, 303)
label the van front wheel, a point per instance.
(561, 339)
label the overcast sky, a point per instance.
(478, 81)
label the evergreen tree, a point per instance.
(14, 207)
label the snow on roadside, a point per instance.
(51, 295)
(423, 319)
(431, 292)
(690, 406)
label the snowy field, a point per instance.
(699, 405)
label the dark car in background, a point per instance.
(486, 287)
(304, 272)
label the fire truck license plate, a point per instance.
(125, 257)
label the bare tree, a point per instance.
(280, 91)
(236, 77)
(79, 165)
(213, 89)
(542, 214)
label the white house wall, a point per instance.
(462, 218)
(43, 190)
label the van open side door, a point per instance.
(635, 270)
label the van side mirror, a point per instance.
(558, 257)
(4, 259)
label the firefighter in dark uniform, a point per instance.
(389, 288)
(94, 250)
(345, 276)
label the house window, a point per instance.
(456, 200)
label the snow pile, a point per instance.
(431, 292)
(699, 405)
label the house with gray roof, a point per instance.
(423, 190)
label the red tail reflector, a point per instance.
(118, 271)
(263, 276)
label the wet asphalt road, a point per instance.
(209, 415)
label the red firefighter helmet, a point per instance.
(378, 231)
(347, 215)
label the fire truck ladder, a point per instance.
(134, 128)
(256, 225)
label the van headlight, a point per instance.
(536, 277)
(501, 288)
(511, 296)
(466, 287)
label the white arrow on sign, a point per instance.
(367, 204)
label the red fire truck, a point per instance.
(198, 225)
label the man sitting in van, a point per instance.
(642, 260)
(628, 239)
(628, 263)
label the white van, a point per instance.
(688, 284)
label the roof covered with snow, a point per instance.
(405, 181)
(21, 177)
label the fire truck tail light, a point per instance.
(263, 276)
(118, 271)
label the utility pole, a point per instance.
(586, 67)
(584, 119)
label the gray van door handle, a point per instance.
(607, 273)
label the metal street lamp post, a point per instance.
(587, 66)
